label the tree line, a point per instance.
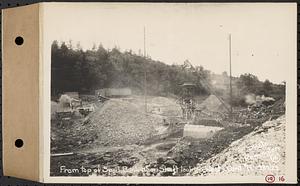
(73, 69)
(85, 71)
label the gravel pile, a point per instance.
(259, 113)
(261, 152)
(213, 104)
(121, 123)
(160, 105)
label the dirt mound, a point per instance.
(261, 152)
(163, 101)
(164, 106)
(121, 122)
(260, 113)
(70, 135)
(279, 107)
(213, 104)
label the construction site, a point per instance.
(116, 133)
(192, 91)
(190, 130)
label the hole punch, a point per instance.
(19, 143)
(19, 40)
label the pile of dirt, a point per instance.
(279, 107)
(121, 122)
(261, 152)
(164, 106)
(163, 101)
(188, 152)
(213, 104)
(260, 113)
(70, 135)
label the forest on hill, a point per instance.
(73, 69)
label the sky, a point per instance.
(263, 35)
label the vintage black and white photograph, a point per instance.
(170, 90)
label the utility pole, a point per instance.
(145, 72)
(230, 76)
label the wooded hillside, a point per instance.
(74, 69)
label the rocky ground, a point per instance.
(119, 134)
(113, 123)
(261, 152)
(121, 122)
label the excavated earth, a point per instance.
(261, 152)
(119, 134)
(120, 122)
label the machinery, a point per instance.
(101, 98)
(187, 101)
(68, 107)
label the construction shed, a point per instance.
(200, 131)
(114, 92)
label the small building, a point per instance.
(200, 131)
(114, 92)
